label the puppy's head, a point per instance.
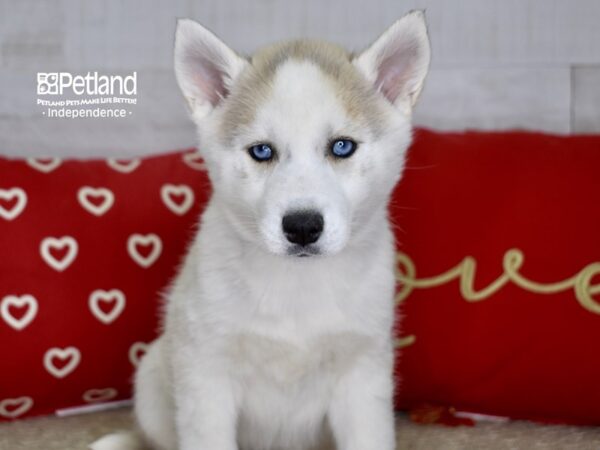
(304, 141)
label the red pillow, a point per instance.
(499, 235)
(86, 249)
(68, 340)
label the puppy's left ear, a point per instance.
(398, 61)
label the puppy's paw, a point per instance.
(118, 441)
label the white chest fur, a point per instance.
(281, 331)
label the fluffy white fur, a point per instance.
(262, 350)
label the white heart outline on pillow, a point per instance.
(180, 189)
(134, 351)
(123, 165)
(19, 302)
(151, 238)
(25, 405)
(69, 257)
(86, 191)
(99, 395)
(45, 167)
(9, 194)
(191, 159)
(72, 353)
(100, 295)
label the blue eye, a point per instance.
(261, 152)
(343, 148)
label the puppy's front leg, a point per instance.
(361, 413)
(206, 411)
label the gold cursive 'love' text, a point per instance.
(581, 283)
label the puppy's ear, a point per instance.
(398, 61)
(205, 67)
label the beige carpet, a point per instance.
(74, 433)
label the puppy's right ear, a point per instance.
(205, 67)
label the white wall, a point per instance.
(531, 64)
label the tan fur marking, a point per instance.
(255, 83)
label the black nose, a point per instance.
(302, 227)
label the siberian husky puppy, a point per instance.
(278, 330)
